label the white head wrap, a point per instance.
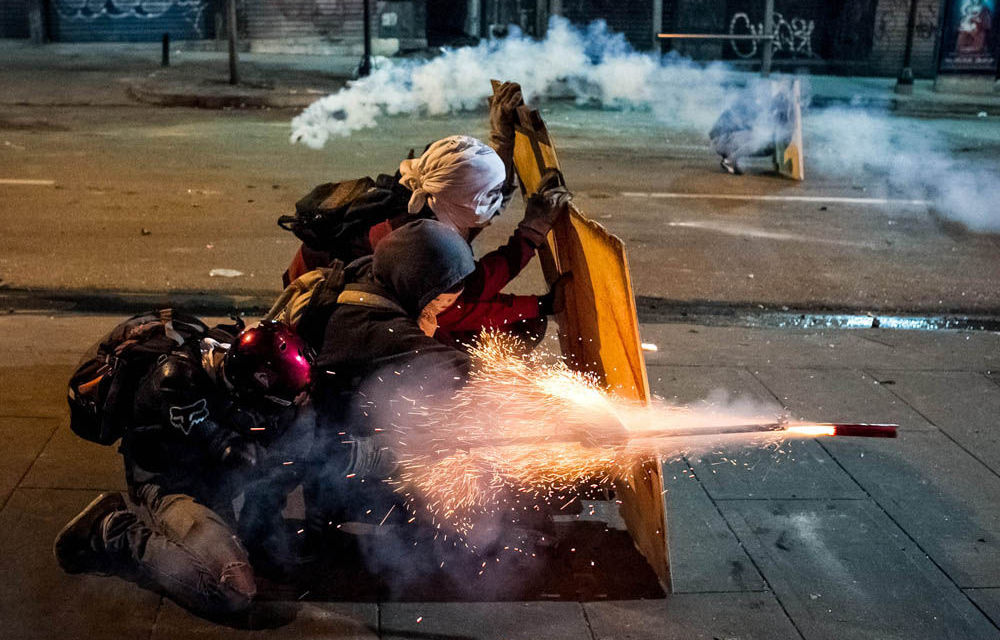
(454, 177)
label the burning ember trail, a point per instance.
(527, 429)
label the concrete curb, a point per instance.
(166, 94)
(651, 310)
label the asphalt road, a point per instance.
(145, 199)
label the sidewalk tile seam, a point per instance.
(24, 475)
(941, 430)
(586, 620)
(746, 552)
(996, 623)
(906, 533)
(914, 553)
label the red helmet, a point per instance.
(269, 361)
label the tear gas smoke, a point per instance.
(596, 65)
(907, 158)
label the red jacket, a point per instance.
(481, 305)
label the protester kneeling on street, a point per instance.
(194, 408)
(750, 126)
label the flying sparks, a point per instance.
(527, 430)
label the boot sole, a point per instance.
(86, 519)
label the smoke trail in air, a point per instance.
(906, 158)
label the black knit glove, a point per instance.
(555, 300)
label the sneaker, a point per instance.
(78, 547)
(730, 166)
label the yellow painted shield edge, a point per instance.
(789, 158)
(593, 337)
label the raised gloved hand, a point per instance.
(555, 300)
(545, 207)
(503, 106)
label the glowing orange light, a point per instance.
(813, 429)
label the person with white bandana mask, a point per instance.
(464, 183)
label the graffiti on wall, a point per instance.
(135, 9)
(792, 36)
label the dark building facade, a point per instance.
(861, 37)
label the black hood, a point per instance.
(421, 260)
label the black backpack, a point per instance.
(102, 387)
(333, 216)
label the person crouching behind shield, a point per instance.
(750, 127)
(372, 350)
(464, 183)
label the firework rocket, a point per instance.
(617, 435)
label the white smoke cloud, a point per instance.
(906, 158)
(595, 65)
(903, 158)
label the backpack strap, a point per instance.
(167, 318)
(368, 299)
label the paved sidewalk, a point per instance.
(198, 77)
(837, 539)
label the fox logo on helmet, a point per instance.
(188, 416)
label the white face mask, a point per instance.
(488, 205)
(428, 316)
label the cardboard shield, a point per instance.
(788, 156)
(599, 328)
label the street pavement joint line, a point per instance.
(586, 619)
(670, 195)
(24, 475)
(906, 533)
(935, 425)
(746, 552)
(27, 182)
(878, 504)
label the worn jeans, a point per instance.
(183, 548)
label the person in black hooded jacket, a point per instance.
(378, 355)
